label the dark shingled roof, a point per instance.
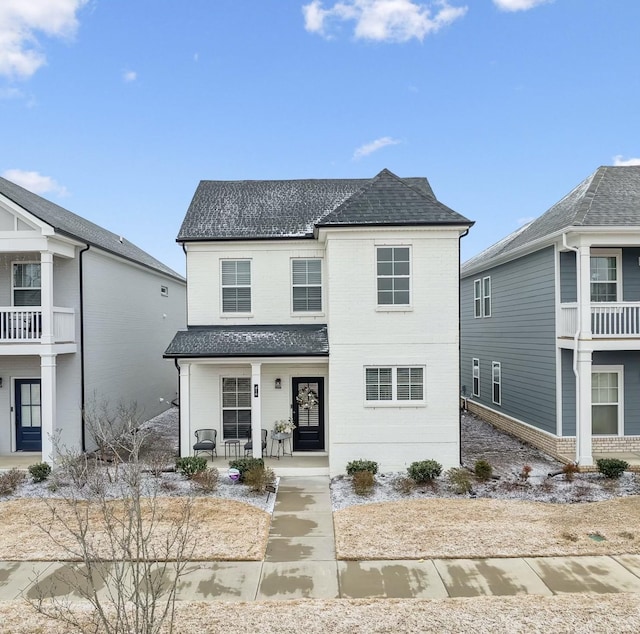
(308, 340)
(69, 224)
(610, 197)
(241, 210)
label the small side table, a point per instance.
(232, 445)
(281, 448)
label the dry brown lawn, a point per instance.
(416, 529)
(220, 529)
(563, 614)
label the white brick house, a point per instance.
(84, 314)
(344, 287)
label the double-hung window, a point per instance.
(26, 284)
(476, 377)
(606, 400)
(306, 280)
(482, 297)
(394, 276)
(236, 286)
(394, 385)
(604, 276)
(496, 380)
(236, 407)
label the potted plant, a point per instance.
(282, 429)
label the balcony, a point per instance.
(618, 320)
(24, 325)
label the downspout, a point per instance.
(576, 337)
(82, 356)
(175, 361)
(462, 235)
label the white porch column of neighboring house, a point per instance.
(46, 296)
(584, 430)
(185, 405)
(48, 405)
(256, 410)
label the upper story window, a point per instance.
(476, 377)
(26, 284)
(164, 291)
(306, 279)
(393, 271)
(604, 276)
(236, 286)
(394, 385)
(482, 297)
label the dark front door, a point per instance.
(308, 413)
(28, 419)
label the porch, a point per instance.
(607, 320)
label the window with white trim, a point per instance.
(477, 298)
(482, 297)
(606, 401)
(306, 282)
(236, 407)
(496, 381)
(394, 384)
(394, 276)
(236, 286)
(26, 284)
(604, 267)
(476, 376)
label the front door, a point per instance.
(308, 413)
(28, 419)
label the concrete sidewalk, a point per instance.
(300, 563)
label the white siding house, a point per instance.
(344, 290)
(84, 315)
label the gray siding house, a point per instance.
(84, 316)
(550, 323)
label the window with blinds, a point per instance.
(394, 384)
(236, 286)
(236, 407)
(306, 277)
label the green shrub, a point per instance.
(424, 470)
(40, 471)
(460, 480)
(362, 482)
(191, 465)
(483, 470)
(611, 467)
(11, 480)
(245, 464)
(362, 465)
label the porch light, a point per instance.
(278, 384)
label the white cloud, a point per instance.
(129, 75)
(518, 5)
(35, 182)
(374, 146)
(618, 161)
(21, 20)
(382, 20)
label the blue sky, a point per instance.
(116, 109)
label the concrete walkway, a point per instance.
(300, 563)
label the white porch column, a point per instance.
(186, 440)
(48, 405)
(46, 296)
(584, 455)
(256, 410)
(584, 292)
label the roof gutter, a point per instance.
(462, 235)
(82, 351)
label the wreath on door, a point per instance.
(307, 398)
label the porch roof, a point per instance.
(289, 340)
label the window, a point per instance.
(164, 291)
(306, 277)
(606, 401)
(496, 379)
(26, 284)
(394, 384)
(482, 297)
(236, 286)
(604, 277)
(393, 276)
(236, 407)
(476, 377)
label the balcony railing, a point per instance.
(24, 325)
(618, 320)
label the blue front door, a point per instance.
(28, 415)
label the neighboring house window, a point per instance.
(236, 286)
(496, 379)
(393, 271)
(476, 377)
(604, 277)
(394, 384)
(482, 297)
(306, 278)
(164, 291)
(606, 401)
(26, 284)
(236, 407)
